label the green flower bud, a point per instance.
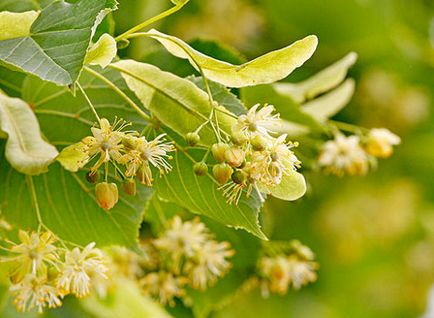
(192, 138)
(235, 156)
(122, 44)
(92, 177)
(222, 172)
(218, 151)
(238, 137)
(129, 187)
(239, 177)
(258, 143)
(200, 168)
(129, 142)
(106, 195)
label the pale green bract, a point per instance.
(102, 52)
(176, 102)
(15, 25)
(320, 83)
(328, 105)
(268, 68)
(291, 188)
(56, 46)
(126, 300)
(26, 151)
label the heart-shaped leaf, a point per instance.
(59, 38)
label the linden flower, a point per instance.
(106, 141)
(209, 263)
(257, 122)
(344, 155)
(35, 251)
(163, 285)
(275, 271)
(182, 238)
(301, 272)
(275, 161)
(142, 153)
(380, 142)
(33, 292)
(79, 268)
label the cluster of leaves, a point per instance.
(57, 74)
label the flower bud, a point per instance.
(129, 142)
(380, 142)
(92, 177)
(222, 172)
(122, 44)
(192, 138)
(238, 137)
(129, 187)
(258, 143)
(200, 168)
(235, 156)
(239, 177)
(218, 151)
(106, 195)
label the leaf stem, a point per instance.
(144, 24)
(89, 102)
(348, 127)
(35, 202)
(119, 92)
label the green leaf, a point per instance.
(102, 52)
(59, 39)
(26, 151)
(15, 25)
(19, 6)
(328, 105)
(265, 69)
(222, 95)
(200, 195)
(65, 200)
(126, 300)
(68, 207)
(11, 82)
(165, 94)
(320, 83)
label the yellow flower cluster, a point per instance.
(111, 143)
(256, 157)
(43, 272)
(278, 272)
(187, 254)
(353, 155)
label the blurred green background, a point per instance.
(373, 236)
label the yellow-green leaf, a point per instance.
(102, 52)
(265, 69)
(26, 151)
(16, 25)
(328, 105)
(320, 83)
